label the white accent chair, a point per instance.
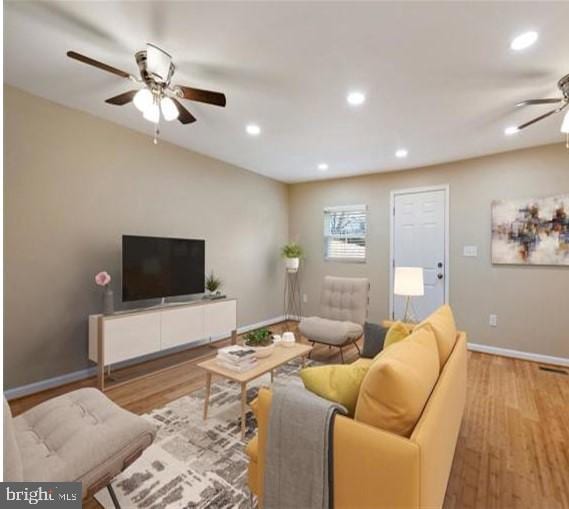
(343, 312)
(81, 436)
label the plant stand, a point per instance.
(292, 298)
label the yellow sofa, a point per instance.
(378, 469)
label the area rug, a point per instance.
(195, 463)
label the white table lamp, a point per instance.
(408, 282)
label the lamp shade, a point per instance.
(408, 281)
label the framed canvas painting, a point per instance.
(531, 231)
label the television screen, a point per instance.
(156, 267)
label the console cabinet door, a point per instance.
(127, 337)
(183, 325)
(220, 318)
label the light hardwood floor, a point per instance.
(513, 449)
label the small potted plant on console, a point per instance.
(213, 285)
(260, 340)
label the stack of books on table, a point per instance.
(237, 358)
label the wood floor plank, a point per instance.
(513, 446)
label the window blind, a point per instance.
(345, 231)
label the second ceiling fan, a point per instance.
(158, 97)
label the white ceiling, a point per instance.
(440, 77)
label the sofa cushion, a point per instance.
(374, 337)
(339, 383)
(13, 468)
(399, 383)
(80, 436)
(331, 332)
(396, 333)
(444, 327)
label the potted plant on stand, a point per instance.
(261, 341)
(213, 284)
(292, 253)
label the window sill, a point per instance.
(345, 260)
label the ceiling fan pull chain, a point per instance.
(156, 134)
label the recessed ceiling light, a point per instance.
(356, 98)
(253, 129)
(401, 153)
(322, 166)
(511, 130)
(523, 41)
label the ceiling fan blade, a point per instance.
(96, 63)
(122, 99)
(204, 96)
(185, 117)
(531, 102)
(537, 119)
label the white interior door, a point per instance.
(419, 239)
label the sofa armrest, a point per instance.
(372, 468)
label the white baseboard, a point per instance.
(50, 383)
(516, 354)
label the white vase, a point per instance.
(292, 264)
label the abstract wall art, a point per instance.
(531, 231)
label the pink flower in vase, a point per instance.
(103, 278)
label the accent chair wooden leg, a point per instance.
(342, 355)
(357, 347)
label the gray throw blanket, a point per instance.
(298, 461)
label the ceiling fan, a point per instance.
(158, 96)
(563, 85)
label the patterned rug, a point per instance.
(195, 463)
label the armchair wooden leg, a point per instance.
(342, 355)
(357, 348)
(310, 353)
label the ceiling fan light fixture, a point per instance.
(152, 113)
(169, 109)
(143, 99)
(158, 62)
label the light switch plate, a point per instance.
(470, 251)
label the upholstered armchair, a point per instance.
(343, 312)
(81, 436)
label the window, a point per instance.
(345, 230)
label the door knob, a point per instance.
(439, 276)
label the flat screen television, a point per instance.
(157, 267)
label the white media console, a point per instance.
(127, 335)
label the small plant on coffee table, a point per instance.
(259, 337)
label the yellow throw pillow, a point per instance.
(339, 383)
(399, 383)
(396, 333)
(442, 324)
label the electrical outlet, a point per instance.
(493, 321)
(304, 298)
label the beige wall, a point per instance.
(531, 303)
(74, 184)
